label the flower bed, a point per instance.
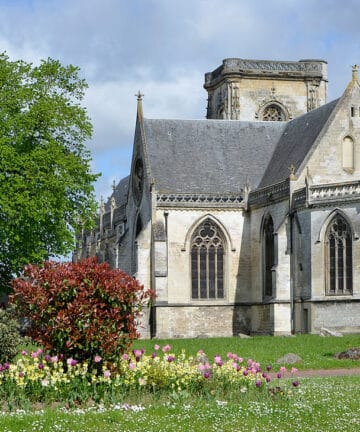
(39, 377)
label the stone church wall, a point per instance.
(325, 164)
(180, 224)
(340, 315)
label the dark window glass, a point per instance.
(194, 273)
(269, 251)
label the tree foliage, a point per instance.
(80, 309)
(46, 185)
(9, 334)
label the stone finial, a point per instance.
(113, 186)
(102, 205)
(355, 69)
(292, 168)
(139, 97)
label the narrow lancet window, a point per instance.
(269, 256)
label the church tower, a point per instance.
(265, 90)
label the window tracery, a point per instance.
(207, 262)
(338, 245)
(273, 112)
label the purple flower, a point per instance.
(40, 366)
(218, 360)
(246, 372)
(47, 358)
(269, 367)
(137, 353)
(170, 358)
(279, 375)
(264, 374)
(21, 374)
(268, 379)
(295, 383)
(258, 383)
(6, 366)
(206, 375)
(71, 362)
(153, 355)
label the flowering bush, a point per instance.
(41, 377)
(80, 309)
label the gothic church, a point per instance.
(247, 221)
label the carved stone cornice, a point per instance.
(303, 68)
(335, 192)
(199, 200)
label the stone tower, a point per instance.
(265, 90)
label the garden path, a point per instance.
(322, 372)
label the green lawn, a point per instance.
(317, 404)
(321, 405)
(317, 352)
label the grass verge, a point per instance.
(316, 352)
(314, 406)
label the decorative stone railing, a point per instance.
(199, 200)
(238, 65)
(270, 194)
(299, 198)
(319, 194)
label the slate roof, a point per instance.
(209, 156)
(295, 143)
(120, 194)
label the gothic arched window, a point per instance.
(273, 112)
(338, 253)
(207, 262)
(269, 256)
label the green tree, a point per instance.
(46, 184)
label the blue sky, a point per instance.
(164, 47)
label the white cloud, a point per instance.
(164, 48)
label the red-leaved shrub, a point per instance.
(80, 309)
